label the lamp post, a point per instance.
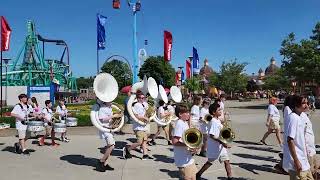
(136, 5)
(294, 84)
(6, 60)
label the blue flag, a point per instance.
(101, 33)
(182, 75)
(195, 61)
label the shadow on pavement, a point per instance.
(235, 178)
(12, 150)
(247, 142)
(80, 160)
(132, 140)
(163, 158)
(267, 149)
(246, 156)
(172, 174)
(253, 168)
(2, 144)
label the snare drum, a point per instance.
(59, 127)
(71, 121)
(4, 126)
(35, 126)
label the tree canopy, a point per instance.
(161, 71)
(231, 77)
(119, 70)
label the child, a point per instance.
(162, 113)
(62, 111)
(216, 148)
(20, 112)
(182, 155)
(105, 117)
(295, 157)
(204, 126)
(48, 121)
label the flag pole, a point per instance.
(97, 48)
(1, 62)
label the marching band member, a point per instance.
(182, 156)
(162, 113)
(216, 148)
(295, 156)
(48, 123)
(272, 121)
(62, 111)
(195, 112)
(105, 117)
(171, 110)
(21, 111)
(204, 126)
(139, 110)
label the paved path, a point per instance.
(77, 159)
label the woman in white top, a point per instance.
(195, 112)
(162, 113)
(272, 121)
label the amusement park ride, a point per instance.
(30, 68)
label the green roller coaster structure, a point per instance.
(34, 70)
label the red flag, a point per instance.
(5, 34)
(167, 45)
(188, 69)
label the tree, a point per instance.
(193, 84)
(84, 83)
(119, 70)
(302, 60)
(232, 77)
(277, 81)
(160, 70)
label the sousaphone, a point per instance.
(147, 86)
(176, 96)
(106, 88)
(163, 96)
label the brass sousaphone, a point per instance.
(106, 88)
(147, 86)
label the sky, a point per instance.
(249, 30)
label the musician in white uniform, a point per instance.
(48, 123)
(21, 112)
(139, 110)
(195, 112)
(162, 113)
(105, 117)
(205, 126)
(62, 111)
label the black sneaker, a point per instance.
(198, 177)
(126, 154)
(26, 152)
(203, 154)
(169, 143)
(229, 178)
(108, 167)
(17, 148)
(145, 157)
(100, 166)
(153, 142)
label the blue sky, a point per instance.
(249, 30)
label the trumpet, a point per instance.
(193, 138)
(207, 118)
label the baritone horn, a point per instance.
(106, 88)
(193, 138)
(227, 135)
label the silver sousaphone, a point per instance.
(147, 86)
(106, 88)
